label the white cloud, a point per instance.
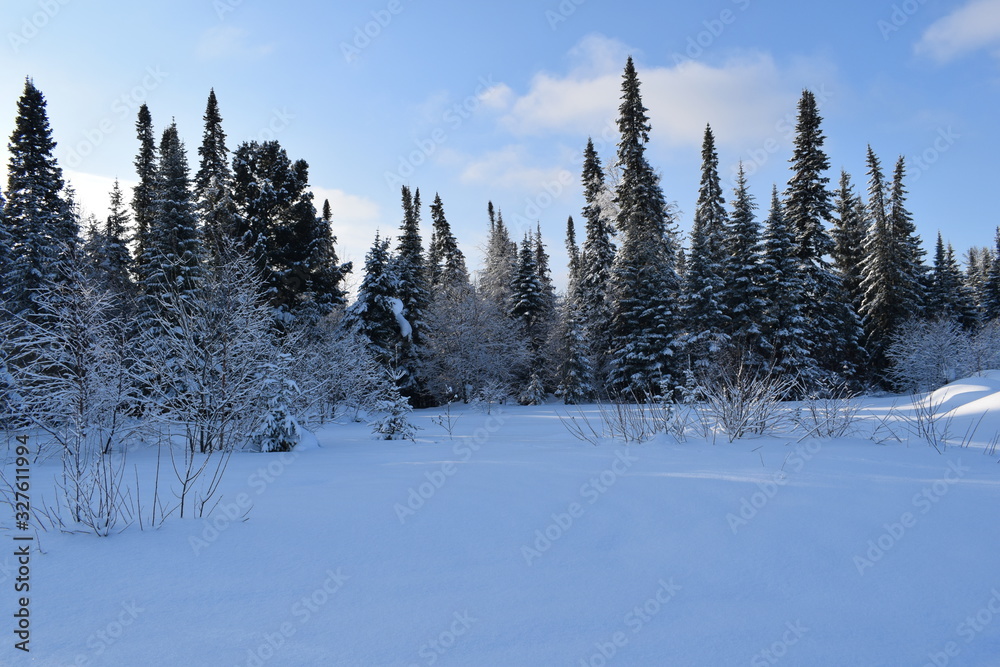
(971, 27)
(506, 168)
(229, 42)
(742, 98)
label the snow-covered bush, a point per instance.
(393, 416)
(926, 354)
(743, 399)
(533, 393)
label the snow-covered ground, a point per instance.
(512, 543)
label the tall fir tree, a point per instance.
(413, 289)
(374, 313)
(144, 194)
(500, 262)
(704, 318)
(783, 321)
(808, 207)
(891, 273)
(850, 226)
(111, 257)
(42, 227)
(575, 381)
(213, 183)
(528, 305)
(743, 293)
(172, 263)
(597, 257)
(445, 259)
(992, 292)
(644, 281)
(544, 271)
(979, 261)
(948, 297)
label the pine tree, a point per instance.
(911, 251)
(807, 206)
(979, 261)
(576, 373)
(144, 194)
(445, 260)
(596, 260)
(546, 286)
(41, 225)
(644, 282)
(702, 310)
(374, 313)
(499, 264)
(743, 293)
(991, 310)
(413, 290)
(784, 319)
(326, 273)
(948, 297)
(172, 263)
(213, 183)
(111, 256)
(850, 226)
(528, 304)
(891, 274)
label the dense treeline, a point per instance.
(205, 288)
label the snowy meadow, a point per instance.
(858, 531)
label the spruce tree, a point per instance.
(644, 282)
(743, 293)
(547, 287)
(597, 257)
(172, 263)
(144, 194)
(702, 312)
(500, 262)
(575, 373)
(445, 260)
(374, 313)
(991, 310)
(784, 320)
(948, 297)
(111, 256)
(41, 226)
(890, 273)
(850, 226)
(979, 261)
(413, 289)
(808, 206)
(528, 305)
(213, 183)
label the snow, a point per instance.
(511, 543)
(405, 330)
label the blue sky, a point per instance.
(495, 101)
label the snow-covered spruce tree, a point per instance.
(991, 305)
(891, 271)
(172, 261)
(644, 282)
(144, 194)
(808, 206)
(444, 259)
(743, 295)
(849, 230)
(528, 306)
(213, 184)
(703, 317)
(978, 262)
(500, 262)
(377, 312)
(41, 225)
(392, 420)
(575, 375)
(783, 319)
(413, 289)
(110, 256)
(597, 257)
(948, 297)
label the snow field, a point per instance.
(512, 543)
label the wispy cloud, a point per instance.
(741, 98)
(222, 42)
(973, 26)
